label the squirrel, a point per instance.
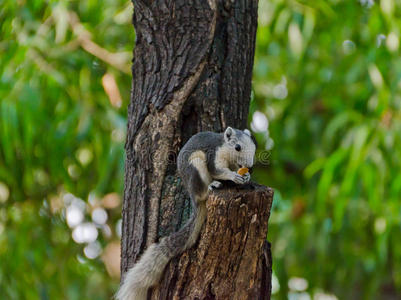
(205, 159)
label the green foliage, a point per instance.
(59, 133)
(327, 78)
(335, 163)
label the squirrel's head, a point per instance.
(242, 146)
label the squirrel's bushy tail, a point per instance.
(148, 270)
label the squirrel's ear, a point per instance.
(228, 134)
(247, 132)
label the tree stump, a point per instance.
(232, 257)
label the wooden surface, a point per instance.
(232, 258)
(192, 72)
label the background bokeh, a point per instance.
(325, 109)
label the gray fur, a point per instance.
(215, 185)
(144, 274)
(206, 156)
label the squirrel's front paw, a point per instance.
(214, 185)
(247, 177)
(238, 179)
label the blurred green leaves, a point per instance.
(336, 155)
(61, 132)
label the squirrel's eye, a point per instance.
(238, 147)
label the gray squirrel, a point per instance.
(205, 159)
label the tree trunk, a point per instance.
(192, 72)
(232, 260)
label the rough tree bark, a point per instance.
(192, 72)
(232, 259)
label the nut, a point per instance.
(242, 171)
